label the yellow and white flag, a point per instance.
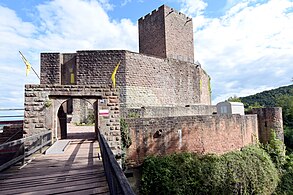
(114, 74)
(27, 64)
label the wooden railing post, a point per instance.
(41, 143)
(38, 141)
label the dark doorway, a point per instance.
(62, 117)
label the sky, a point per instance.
(246, 46)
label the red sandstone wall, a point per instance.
(142, 80)
(152, 34)
(269, 119)
(166, 33)
(201, 134)
(179, 35)
(152, 81)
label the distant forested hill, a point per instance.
(268, 98)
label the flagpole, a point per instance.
(26, 62)
(36, 73)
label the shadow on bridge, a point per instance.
(78, 171)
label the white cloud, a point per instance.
(57, 26)
(249, 47)
(241, 93)
(125, 2)
(192, 8)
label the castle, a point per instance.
(161, 74)
(169, 94)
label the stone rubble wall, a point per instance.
(215, 134)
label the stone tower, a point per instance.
(166, 33)
(269, 119)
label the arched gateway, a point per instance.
(44, 110)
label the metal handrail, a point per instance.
(38, 142)
(117, 182)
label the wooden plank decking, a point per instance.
(78, 171)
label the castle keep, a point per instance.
(166, 33)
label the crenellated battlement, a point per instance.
(166, 33)
(154, 12)
(168, 10)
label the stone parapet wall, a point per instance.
(150, 112)
(200, 134)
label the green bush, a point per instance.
(249, 171)
(125, 137)
(286, 184)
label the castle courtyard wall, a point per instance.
(200, 134)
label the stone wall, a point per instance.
(166, 33)
(179, 35)
(201, 134)
(151, 30)
(269, 119)
(151, 112)
(96, 67)
(50, 68)
(142, 80)
(42, 103)
(152, 81)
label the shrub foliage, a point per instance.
(249, 171)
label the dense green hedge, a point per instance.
(249, 171)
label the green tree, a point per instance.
(286, 102)
(277, 151)
(234, 99)
(249, 171)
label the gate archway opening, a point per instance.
(76, 117)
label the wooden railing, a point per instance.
(118, 183)
(17, 150)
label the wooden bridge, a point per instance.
(87, 166)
